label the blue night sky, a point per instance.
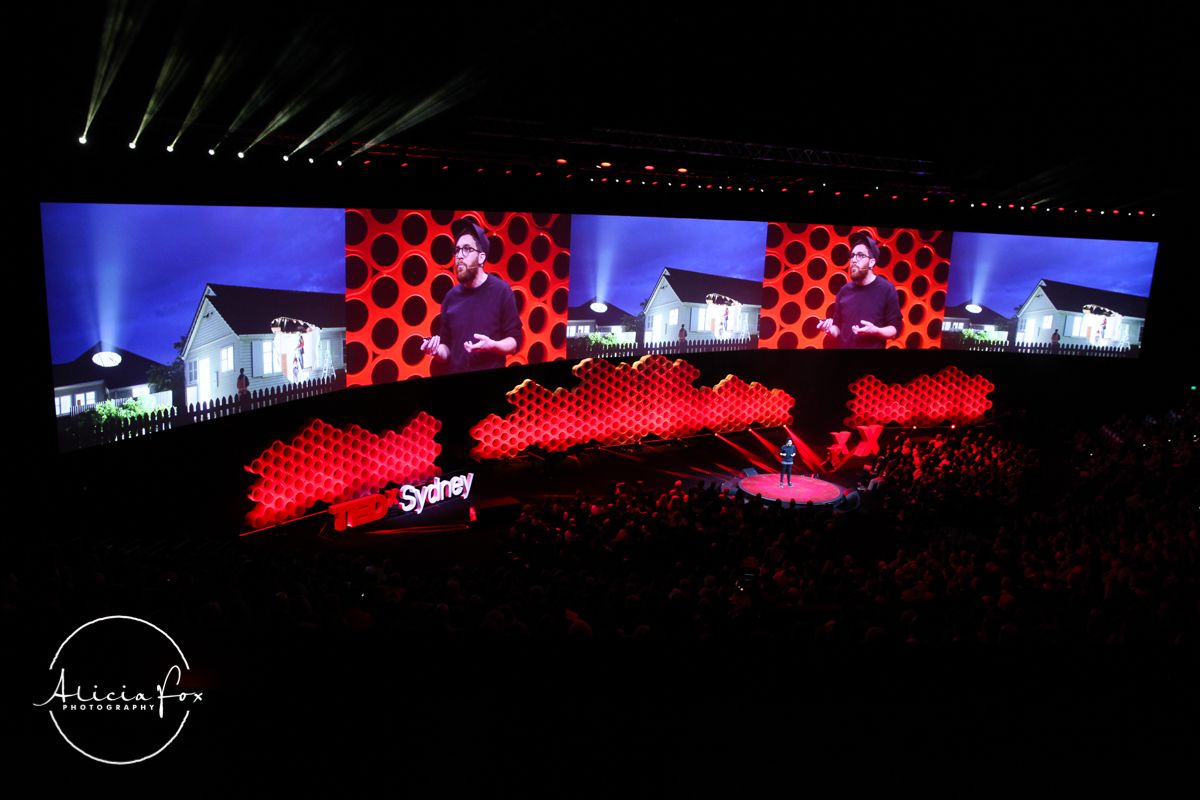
(1000, 271)
(618, 259)
(133, 275)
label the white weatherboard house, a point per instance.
(1081, 315)
(260, 331)
(706, 306)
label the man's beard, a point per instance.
(465, 274)
(858, 273)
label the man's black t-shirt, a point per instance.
(490, 310)
(877, 303)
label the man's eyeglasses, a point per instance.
(860, 256)
(465, 250)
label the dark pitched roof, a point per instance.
(249, 310)
(612, 316)
(694, 287)
(985, 317)
(130, 372)
(1069, 297)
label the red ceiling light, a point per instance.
(446, 167)
(648, 167)
(924, 199)
(628, 180)
(682, 169)
(951, 199)
(894, 196)
(868, 194)
(1060, 208)
(1141, 213)
(785, 188)
(561, 160)
(837, 192)
(536, 174)
(983, 204)
(810, 191)
(1033, 208)
(1010, 205)
(602, 180)
(1088, 210)
(605, 164)
(1115, 211)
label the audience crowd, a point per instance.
(972, 536)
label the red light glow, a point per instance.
(605, 164)
(647, 167)
(324, 464)
(948, 396)
(682, 169)
(561, 160)
(620, 404)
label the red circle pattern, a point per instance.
(328, 465)
(948, 397)
(807, 288)
(620, 404)
(386, 363)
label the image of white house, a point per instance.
(1080, 315)
(275, 336)
(104, 372)
(593, 317)
(705, 306)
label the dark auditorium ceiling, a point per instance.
(1037, 109)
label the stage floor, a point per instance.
(802, 490)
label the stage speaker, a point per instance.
(750, 472)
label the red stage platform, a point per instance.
(802, 490)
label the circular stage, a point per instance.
(802, 490)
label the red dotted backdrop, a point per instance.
(619, 404)
(399, 266)
(947, 397)
(807, 265)
(328, 465)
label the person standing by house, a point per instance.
(1054, 341)
(787, 456)
(682, 334)
(243, 387)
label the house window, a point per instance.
(227, 359)
(141, 391)
(85, 399)
(583, 329)
(269, 357)
(570, 331)
(674, 317)
(191, 372)
(1076, 321)
(703, 319)
(1030, 328)
(62, 405)
(1047, 321)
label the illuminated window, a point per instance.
(570, 331)
(191, 372)
(141, 391)
(673, 319)
(703, 319)
(85, 399)
(1030, 327)
(1076, 321)
(269, 358)
(227, 359)
(1047, 321)
(62, 405)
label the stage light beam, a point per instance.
(175, 65)
(121, 25)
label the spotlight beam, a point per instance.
(229, 57)
(455, 91)
(173, 69)
(330, 75)
(121, 25)
(292, 60)
(347, 110)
